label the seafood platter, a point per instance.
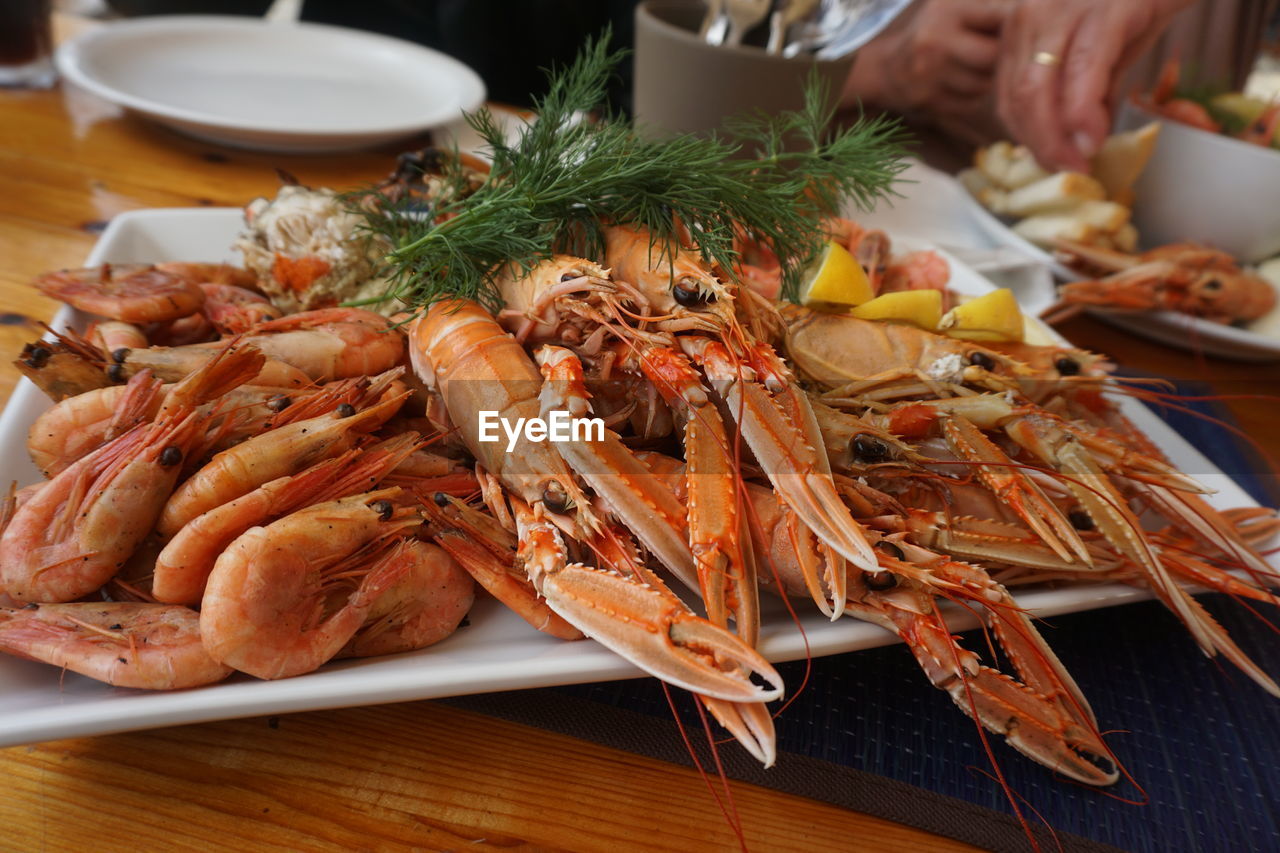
(259, 484)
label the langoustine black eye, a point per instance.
(556, 498)
(690, 294)
(38, 356)
(881, 581)
(866, 448)
(1080, 519)
(981, 359)
(1067, 366)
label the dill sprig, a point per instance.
(565, 177)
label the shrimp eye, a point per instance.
(170, 456)
(691, 295)
(115, 373)
(881, 581)
(981, 359)
(119, 355)
(556, 498)
(571, 275)
(384, 509)
(1213, 284)
(346, 410)
(279, 403)
(1067, 366)
(1080, 519)
(868, 449)
(440, 498)
(38, 357)
(891, 549)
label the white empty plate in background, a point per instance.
(282, 86)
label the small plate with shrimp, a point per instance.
(494, 650)
(938, 209)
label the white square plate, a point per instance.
(497, 651)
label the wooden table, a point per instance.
(418, 773)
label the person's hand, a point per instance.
(1060, 65)
(938, 59)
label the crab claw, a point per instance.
(795, 462)
(1016, 489)
(631, 492)
(640, 619)
(1049, 723)
(750, 723)
(1116, 456)
(1034, 727)
(657, 633)
(1195, 516)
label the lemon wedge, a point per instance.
(921, 308)
(835, 279)
(1036, 333)
(993, 316)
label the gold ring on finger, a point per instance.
(1044, 57)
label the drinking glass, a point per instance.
(26, 44)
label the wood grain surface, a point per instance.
(419, 774)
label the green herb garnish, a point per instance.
(567, 176)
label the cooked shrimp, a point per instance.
(64, 367)
(111, 335)
(172, 364)
(359, 393)
(922, 270)
(278, 453)
(132, 293)
(184, 331)
(319, 346)
(422, 608)
(285, 598)
(78, 425)
(233, 310)
(72, 536)
(126, 644)
(182, 568)
(333, 343)
(203, 273)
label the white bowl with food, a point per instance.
(1208, 188)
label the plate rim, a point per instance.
(71, 60)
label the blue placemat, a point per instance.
(1201, 740)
